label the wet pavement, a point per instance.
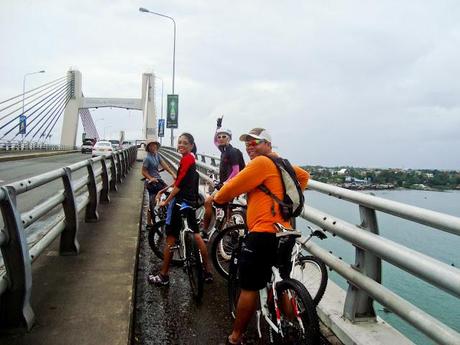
(169, 315)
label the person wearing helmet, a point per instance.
(151, 172)
(231, 162)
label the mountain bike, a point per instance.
(185, 252)
(309, 270)
(230, 215)
(156, 232)
(285, 304)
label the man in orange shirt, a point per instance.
(258, 251)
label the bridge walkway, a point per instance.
(87, 299)
(90, 298)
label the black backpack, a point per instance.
(293, 199)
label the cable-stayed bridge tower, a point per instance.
(80, 104)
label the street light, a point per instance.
(24, 88)
(161, 116)
(142, 9)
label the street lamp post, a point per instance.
(161, 116)
(142, 9)
(24, 88)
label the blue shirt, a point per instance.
(152, 163)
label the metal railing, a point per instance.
(9, 146)
(27, 234)
(364, 276)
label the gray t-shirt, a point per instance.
(152, 163)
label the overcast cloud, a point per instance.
(362, 83)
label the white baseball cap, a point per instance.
(224, 131)
(257, 133)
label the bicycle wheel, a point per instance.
(299, 321)
(222, 247)
(194, 266)
(157, 241)
(311, 272)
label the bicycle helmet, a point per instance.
(224, 131)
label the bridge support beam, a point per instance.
(70, 121)
(358, 305)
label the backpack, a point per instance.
(293, 198)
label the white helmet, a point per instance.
(224, 131)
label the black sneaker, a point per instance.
(208, 278)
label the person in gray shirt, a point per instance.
(151, 171)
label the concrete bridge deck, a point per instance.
(90, 298)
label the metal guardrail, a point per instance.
(58, 215)
(364, 276)
(18, 145)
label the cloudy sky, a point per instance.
(361, 83)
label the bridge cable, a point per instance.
(58, 117)
(20, 108)
(50, 115)
(57, 112)
(41, 101)
(48, 85)
(25, 93)
(44, 117)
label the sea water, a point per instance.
(438, 244)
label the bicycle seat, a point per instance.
(285, 232)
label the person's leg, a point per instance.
(207, 213)
(204, 251)
(170, 241)
(245, 309)
(151, 208)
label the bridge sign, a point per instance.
(161, 128)
(173, 111)
(22, 124)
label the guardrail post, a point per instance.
(91, 215)
(119, 170)
(15, 309)
(203, 159)
(113, 174)
(213, 162)
(69, 243)
(105, 182)
(358, 305)
(124, 163)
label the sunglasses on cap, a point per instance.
(254, 142)
(223, 136)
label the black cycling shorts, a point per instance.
(258, 255)
(174, 221)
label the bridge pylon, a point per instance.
(78, 102)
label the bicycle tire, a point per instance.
(194, 266)
(157, 242)
(304, 309)
(222, 247)
(312, 273)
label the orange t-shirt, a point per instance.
(260, 170)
